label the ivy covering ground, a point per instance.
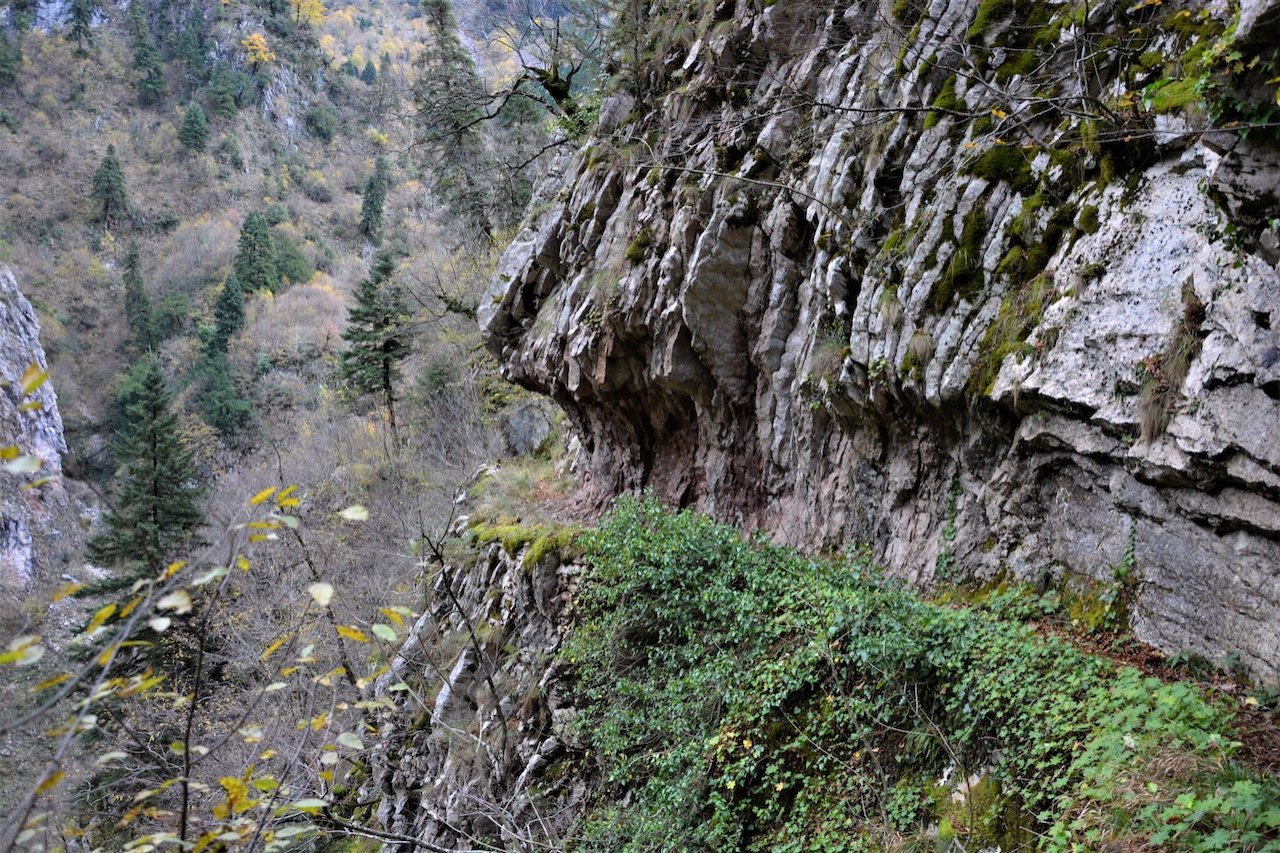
(738, 696)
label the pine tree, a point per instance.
(146, 59)
(80, 22)
(376, 335)
(228, 312)
(194, 132)
(10, 60)
(108, 186)
(370, 73)
(375, 197)
(137, 306)
(255, 265)
(155, 512)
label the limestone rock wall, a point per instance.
(478, 747)
(929, 276)
(33, 425)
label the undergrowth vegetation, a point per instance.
(740, 697)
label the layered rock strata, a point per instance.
(975, 283)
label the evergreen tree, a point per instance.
(80, 23)
(108, 186)
(228, 312)
(223, 93)
(137, 306)
(10, 60)
(193, 46)
(350, 69)
(375, 197)
(194, 132)
(370, 73)
(146, 59)
(255, 265)
(155, 512)
(221, 405)
(376, 335)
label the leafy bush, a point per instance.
(322, 123)
(739, 696)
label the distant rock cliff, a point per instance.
(974, 282)
(30, 423)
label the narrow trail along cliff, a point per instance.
(975, 283)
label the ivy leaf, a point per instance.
(351, 740)
(384, 633)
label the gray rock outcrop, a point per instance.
(903, 276)
(32, 426)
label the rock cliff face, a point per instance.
(991, 295)
(455, 769)
(33, 425)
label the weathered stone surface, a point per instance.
(758, 318)
(457, 766)
(31, 423)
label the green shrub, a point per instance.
(737, 696)
(321, 122)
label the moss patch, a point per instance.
(1007, 163)
(963, 276)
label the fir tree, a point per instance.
(376, 335)
(193, 47)
(108, 186)
(146, 59)
(155, 511)
(228, 312)
(80, 23)
(221, 405)
(370, 73)
(223, 93)
(375, 197)
(137, 306)
(350, 69)
(10, 60)
(255, 265)
(194, 132)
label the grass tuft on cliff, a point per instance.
(738, 696)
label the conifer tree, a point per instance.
(370, 73)
(228, 312)
(146, 59)
(137, 306)
(222, 93)
(10, 60)
(193, 47)
(156, 508)
(221, 405)
(255, 265)
(375, 197)
(80, 23)
(194, 132)
(377, 336)
(108, 186)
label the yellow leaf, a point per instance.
(32, 378)
(274, 647)
(353, 633)
(242, 563)
(285, 499)
(392, 615)
(131, 606)
(262, 496)
(100, 618)
(51, 682)
(50, 781)
(174, 568)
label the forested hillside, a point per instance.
(628, 425)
